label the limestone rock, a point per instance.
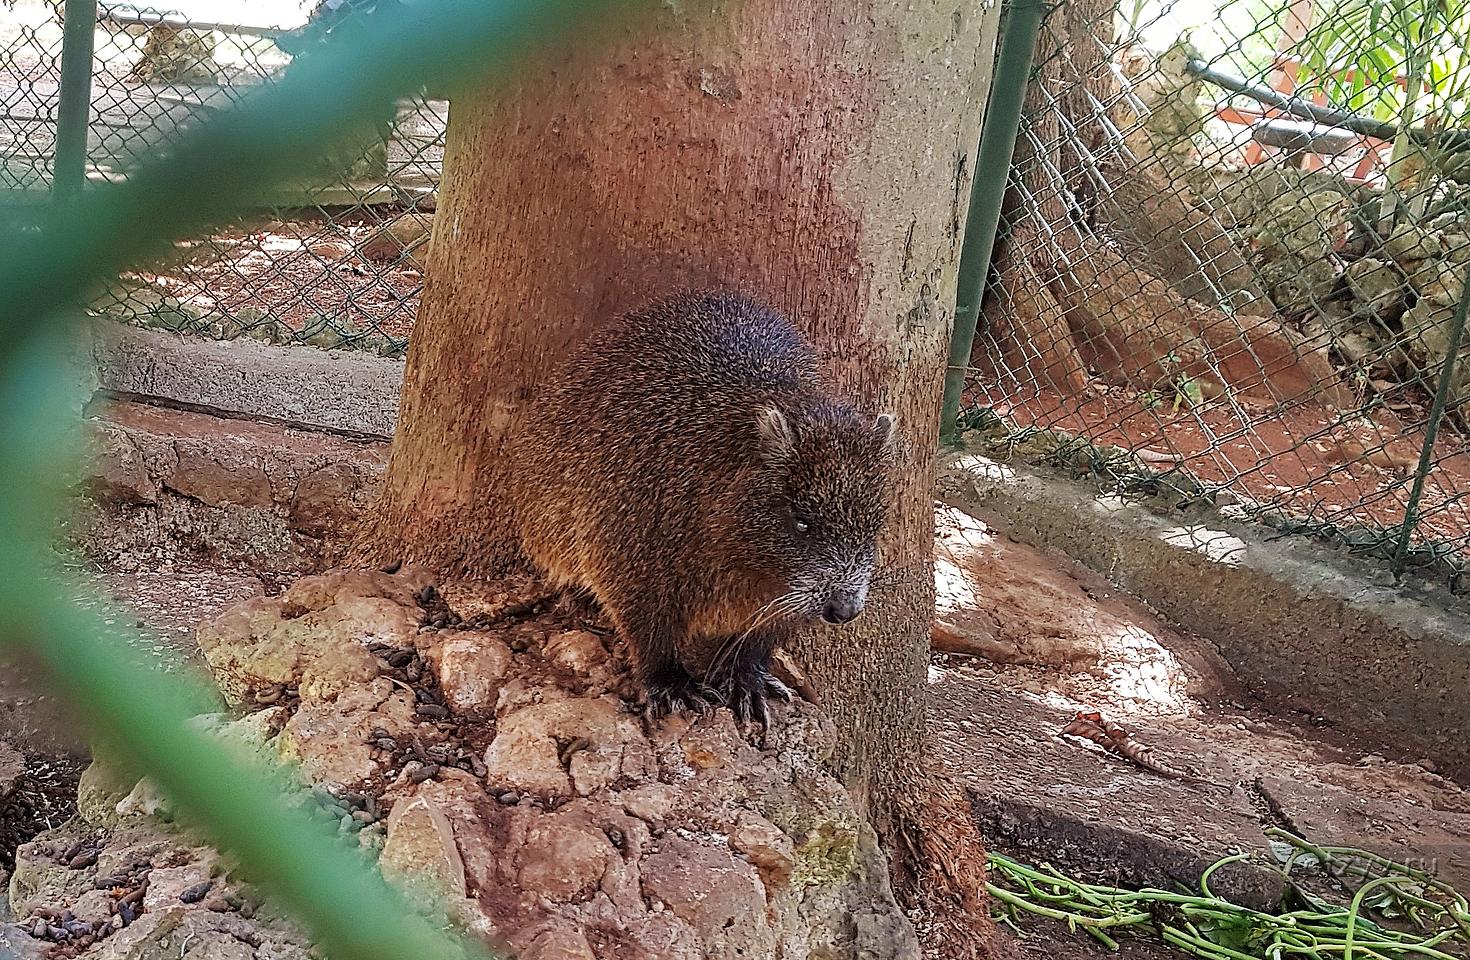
(405, 238)
(38, 879)
(579, 651)
(470, 668)
(121, 473)
(296, 638)
(1409, 242)
(144, 800)
(652, 802)
(559, 943)
(564, 856)
(331, 741)
(588, 836)
(99, 791)
(16, 943)
(421, 848)
(572, 746)
(1377, 284)
(718, 894)
(209, 478)
(193, 933)
(770, 850)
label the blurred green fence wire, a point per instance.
(207, 176)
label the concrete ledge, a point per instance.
(1304, 628)
(340, 392)
(172, 483)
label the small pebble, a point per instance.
(196, 893)
(217, 904)
(509, 798)
(426, 771)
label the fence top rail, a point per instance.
(127, 15)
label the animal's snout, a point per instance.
(842, 609)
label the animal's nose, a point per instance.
(842, 609)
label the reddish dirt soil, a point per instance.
(1299, 458)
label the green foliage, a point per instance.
(214, 173)
(1359, 52)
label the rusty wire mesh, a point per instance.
(332, 259)
(1234, 240)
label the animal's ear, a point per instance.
(775, 431)
(885, 429)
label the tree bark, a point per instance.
(1137, 282)
(815, 155)
(1160, 221)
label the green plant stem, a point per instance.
(1328, 933)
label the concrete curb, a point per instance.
(168, 483)
(339, 392)
(1305, 628)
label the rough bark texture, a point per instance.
(1111, 264)
(813, 155)
(1027, 326)
(1161, 221)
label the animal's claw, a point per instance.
(775, 688)
(750, 694)
(677, 693)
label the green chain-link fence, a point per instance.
(1233, 245)
(331, 258)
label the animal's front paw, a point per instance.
(672, 690)
(750, 692)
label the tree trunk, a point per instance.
(814, 155)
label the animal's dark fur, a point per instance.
(687, 468)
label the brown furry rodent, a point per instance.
(687, 469)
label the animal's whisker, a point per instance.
(729, 648)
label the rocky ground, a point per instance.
(436, 740)
(497, 764)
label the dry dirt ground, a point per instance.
(1056, 640)
(1298, 458)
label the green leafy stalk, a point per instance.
(1209, 927)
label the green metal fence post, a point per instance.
(987, 190)
(1431, 430)
(74, 107)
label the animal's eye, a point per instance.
(801, 525)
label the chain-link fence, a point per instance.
(332, 259)
(1232, 253)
